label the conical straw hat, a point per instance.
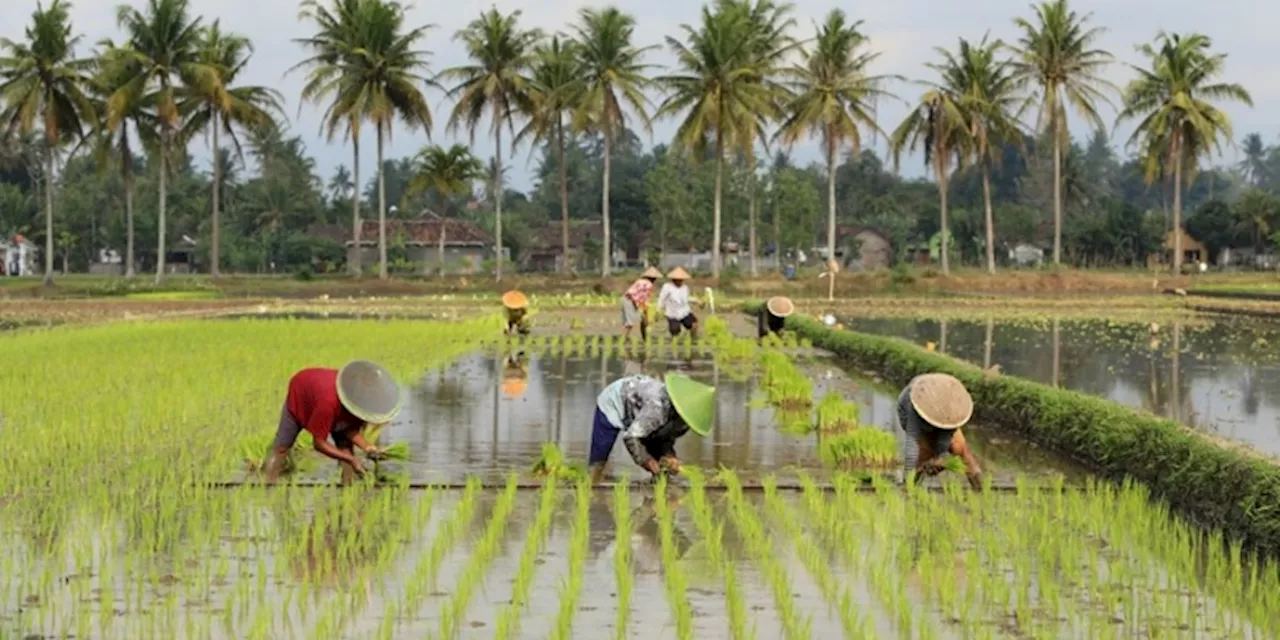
(780, 306)
(941, 400)
(694, 401)
(368, 391)
(514, 300)
(678, 274)
(653, 273)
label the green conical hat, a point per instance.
(694, 401)
(368, 392)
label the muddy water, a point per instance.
(487, 415)
(1221, 377)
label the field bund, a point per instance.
(1211, 483)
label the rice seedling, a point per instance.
(861, 448)
(552, 463)
(622, 569)
(482, 554)
(509, 620)
(674, 581)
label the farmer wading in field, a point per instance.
(650, 415)
(635, 303)
(931, 410)
(517, 309)
(337, 403)
(772, 317)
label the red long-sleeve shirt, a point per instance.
(313, 402)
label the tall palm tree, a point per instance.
(938, 125)
(42, 81)
(495, 84)
(718, 87)
(834, 97)
(380, 80)
(1173, 101)
(337, 38)
(449, 173)
(1254, 164)
(771, 25)
(221, 106)
(554, 74)
(987, 88)
(161, 53)
(1056, 58)
(611, 78)
(131, 115)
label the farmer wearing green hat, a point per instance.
(650, 414)
(335, 403)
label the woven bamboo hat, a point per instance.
(652, 273)
(678, 274)
(941, 400)
(514, 300)
(780, 306)
(368, 392)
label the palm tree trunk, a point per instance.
(564, 197)
(443, 228)
(751, 223)
(48, 214)
(217, 187)
(1177, 206)
(990, 221)
(777, 233)
(1057, 197)
(715, 226)
(164, 196)
(497, 200)
(940, 168)
(128, 218)
(606, 250)
(382, 208)
(355, 258)
(831, 211)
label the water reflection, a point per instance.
(488, 415)
(1222, 377)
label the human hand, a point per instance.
(931, 467)
(652, 467)
(356, 466)
(671, 464)
(375, 454)
(975, 480)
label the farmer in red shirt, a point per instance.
(337, 403)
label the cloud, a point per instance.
(906, 32)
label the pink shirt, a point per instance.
(639, 291)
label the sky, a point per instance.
(904, 31)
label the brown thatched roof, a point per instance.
(457, 233)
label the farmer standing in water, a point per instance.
(931, 410)
(772, 317)
(650, 415)
(516, 305)
(337, 403)
(635, 302)
(673, 302)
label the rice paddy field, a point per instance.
(130, 508)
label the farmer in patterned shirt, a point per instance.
(635, 302)
(337, 403)
(931, 410)
(650, 414)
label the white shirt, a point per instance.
(673, 301)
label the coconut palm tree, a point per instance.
(337, 38)
(1173, 101)
(718, 88)
(131, 115)
(555, 71)
(771, 24)
(834, 97)
(611, 78)
(987, 88)
(449, 173)
(495, 84)
(1254, 165)
(1057, 60)
(380, 81)
(937, 125)
(221, 106)
(42, 81)
(161, 53)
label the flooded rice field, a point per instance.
(487, 415)
(1222, 377)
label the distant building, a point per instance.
(1193, 250)
(1025, 254)
(544, 251)
(864, 248)
(19, 257)
(464, 246)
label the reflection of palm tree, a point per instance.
(1249, 390)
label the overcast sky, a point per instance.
(905, 31)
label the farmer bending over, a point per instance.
(650, 415)
(517, 306)
(635, 302)
(772, 317)
(931, 410)
(337, 403)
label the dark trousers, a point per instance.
(604, 434)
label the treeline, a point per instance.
(88, 136)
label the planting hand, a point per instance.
(652, 467)
(375, 454)
(671, 464)
(975, 480)
(931, 467)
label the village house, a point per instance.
(864, 248)
(1193, 251)
(463, 246)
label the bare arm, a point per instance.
(327, 448)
